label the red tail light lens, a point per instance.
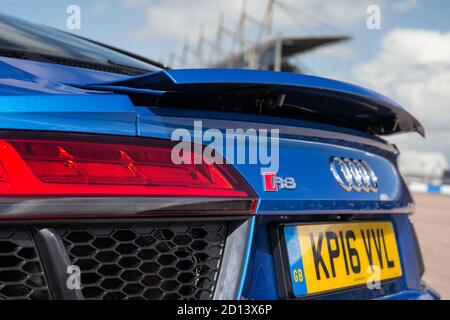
(74, 167)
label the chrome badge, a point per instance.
(273, 183)
(356, 175)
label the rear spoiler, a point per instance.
(269, 93)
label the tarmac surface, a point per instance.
(432, 223)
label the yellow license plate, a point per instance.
(327, 257)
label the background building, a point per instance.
(426, 167)
(265, 48)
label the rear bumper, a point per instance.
(426, 294)
(264, 279)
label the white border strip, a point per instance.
(429, 188)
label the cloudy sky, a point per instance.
(407, 59)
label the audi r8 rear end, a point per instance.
(120, 179)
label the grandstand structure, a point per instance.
(268, 50)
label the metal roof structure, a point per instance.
(273, 54)
(271, 51)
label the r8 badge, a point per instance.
(273, 183)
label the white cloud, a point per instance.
(134, 3)
(345, 12)
(405, 5)
(413, 66)
(176, 18)
(100, 7)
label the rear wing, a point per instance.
(280, 94)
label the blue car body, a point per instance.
(39, 96)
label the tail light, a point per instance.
(76, 175)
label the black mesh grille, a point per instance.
(146, 261)
(21, 275)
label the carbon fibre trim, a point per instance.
(82, 207)
(233, 261)
(55, 262)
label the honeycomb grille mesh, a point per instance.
(21, 275)
(146, 261)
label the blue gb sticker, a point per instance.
(295, 261)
